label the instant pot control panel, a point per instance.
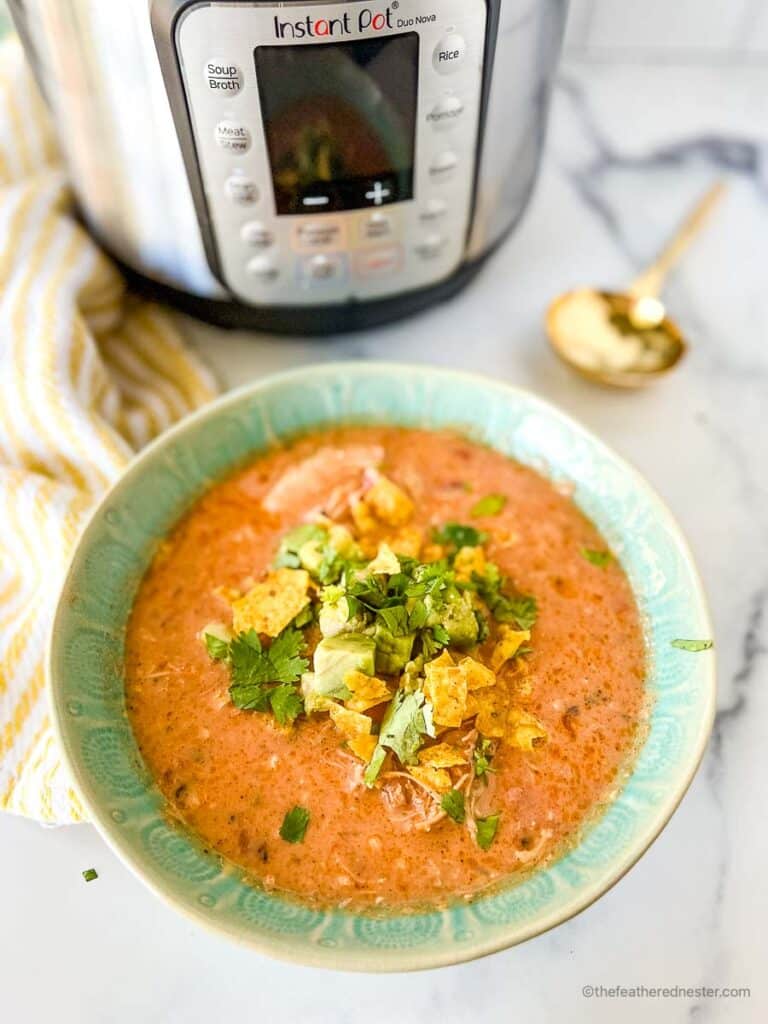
(331, 147)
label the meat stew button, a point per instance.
(232, 136)
(449, 54)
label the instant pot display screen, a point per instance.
(340, 122)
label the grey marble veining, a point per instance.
(630, 148)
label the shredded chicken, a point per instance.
(324, 481)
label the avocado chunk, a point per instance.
(457, 617)
(334, 658)
(302, 545)
(392, 652)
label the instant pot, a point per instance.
(298, 166)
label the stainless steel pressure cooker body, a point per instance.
(298, 166)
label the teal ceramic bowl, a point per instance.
(86, 651)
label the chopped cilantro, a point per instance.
(217, 648)
(294, 825)
(90, 874)
(482, 756)
(286, 703)
(250, 696)
(460, 536)
(254, 667)
(433, 640)
(395, 619)
(693, 645)
(486, 830)
(599, 558)
(518, 608)
(490, 505)
(284, 656)
(441, 635)
(408, 718)
(374, 766)
(453, 805)
(417, 616)
(483, 630)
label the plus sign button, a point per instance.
(378, 193)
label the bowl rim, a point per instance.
(411, 959)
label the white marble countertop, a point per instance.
(629, 148)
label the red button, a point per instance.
(386, 259)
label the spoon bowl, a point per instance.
(626, 339)
(602, 336)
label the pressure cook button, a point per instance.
(262, 269)
(241, 190)
(434, 209)
(446, 112)
(449, 54)
(430, 247)
(443, 165)
(223, 78)
(233, 137)
(255, 234)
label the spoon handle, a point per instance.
(650, 282)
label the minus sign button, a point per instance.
(316, 200)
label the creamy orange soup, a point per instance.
(313, 802)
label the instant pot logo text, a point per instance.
(366, 20)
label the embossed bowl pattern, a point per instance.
(86, 650)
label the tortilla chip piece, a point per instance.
(367, 691)
(492, 714)
(273, 604)
(228, 594)
(478, 675)
(467, 562)
(433, 778)
(386, 561)
(407, 541)
(363, 518)
(363, 747)
(388, 502)
(443, 660)
(445, 686)
(510, 643)
(472, 706)
(351, 724)
(442, 755)
(524, 731)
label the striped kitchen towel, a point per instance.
(87, 376)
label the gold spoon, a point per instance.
(626, 339)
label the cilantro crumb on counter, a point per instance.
(693, 645)
(90, 874)
(294, 825)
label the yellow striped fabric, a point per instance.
(87, 376)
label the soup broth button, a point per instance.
(223, 78)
